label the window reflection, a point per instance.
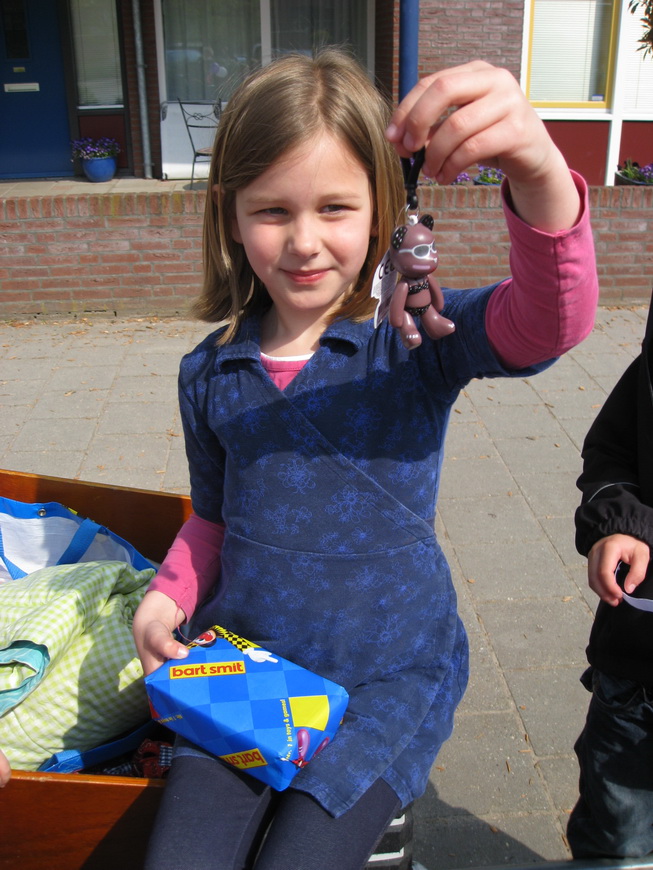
(14, 25)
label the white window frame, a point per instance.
(616, 112)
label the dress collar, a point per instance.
(247, 341)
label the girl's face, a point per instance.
(305, 224)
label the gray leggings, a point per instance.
(214, 817)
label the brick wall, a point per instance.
(456, 32)
(124, 253)
(473, 242)
(140, 253)
(622, 218)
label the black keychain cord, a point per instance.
(411, 168)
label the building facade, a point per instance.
(118, 68)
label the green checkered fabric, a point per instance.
(78, 618)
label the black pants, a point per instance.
(213, 817)
(614, 814)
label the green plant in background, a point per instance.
(632, 170)
(485, 175)
(646, 8)
(489, 175)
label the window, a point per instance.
(571, 52)
(305, 26)
(97, 53)
(210, 46)
(14, 24)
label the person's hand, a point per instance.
(154, 621)
(5, 770)
(492, 123)
(602, 562)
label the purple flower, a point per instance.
(647, 173)
(87, 148)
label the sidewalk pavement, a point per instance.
(96, 400)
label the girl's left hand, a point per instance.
(155, 619)
(492, 123)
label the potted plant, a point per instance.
(98, 157)
(489, 175)
(630, 172)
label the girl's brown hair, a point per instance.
(275, 109)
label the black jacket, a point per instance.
(617, 487)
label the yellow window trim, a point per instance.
(552, 104)
(584, 104)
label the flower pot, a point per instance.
(99, 168)
(481, 183)
(620, 179)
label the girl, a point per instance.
(314, 440)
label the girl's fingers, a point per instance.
(492, 122)
(466, 138)
(424, 106)
(158, 646)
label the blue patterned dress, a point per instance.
(328, 492)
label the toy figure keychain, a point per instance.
(413, 255)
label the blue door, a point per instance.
(34, 131)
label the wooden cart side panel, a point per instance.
(148, 520)
(76, 822)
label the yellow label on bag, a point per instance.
(243, 760)
(208, 669)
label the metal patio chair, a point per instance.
(201, 120)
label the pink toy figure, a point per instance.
(417, 294)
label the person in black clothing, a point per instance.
(614, 529)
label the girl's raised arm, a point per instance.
(492, 123)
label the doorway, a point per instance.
(35, 140)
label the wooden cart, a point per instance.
(73, 821)
(92, 822)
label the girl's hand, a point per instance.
(492, 123)
(602, 562)
(5, 770)
(154, 621)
